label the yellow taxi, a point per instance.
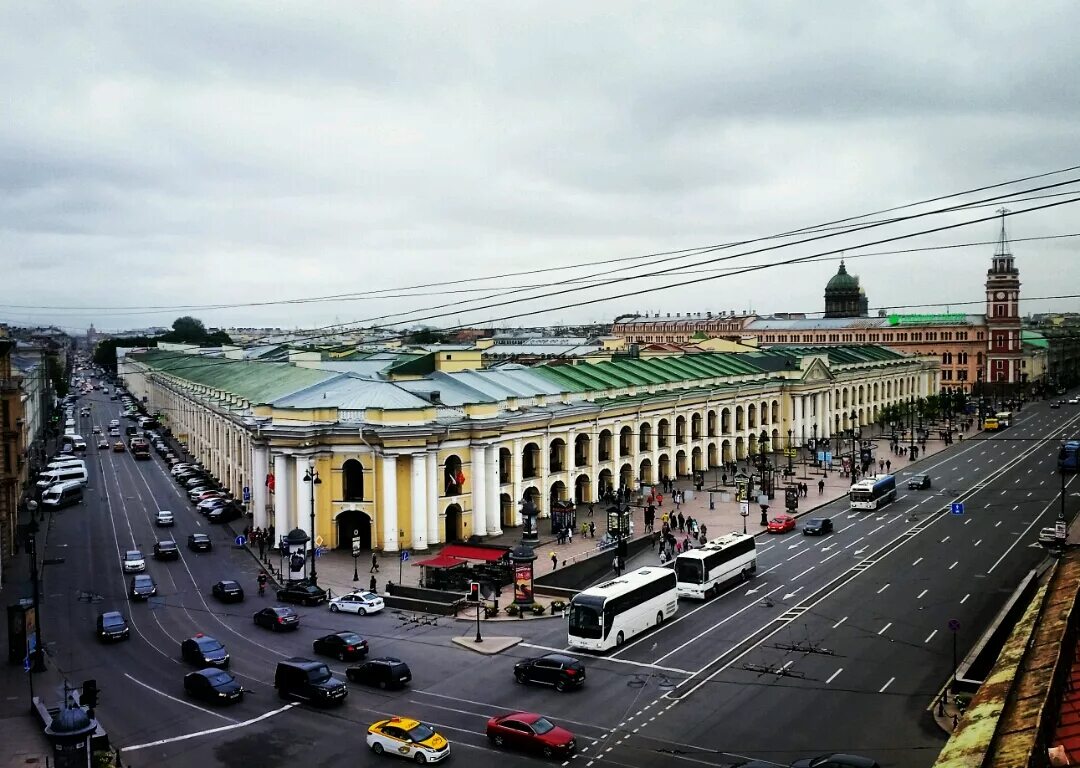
(408, 738)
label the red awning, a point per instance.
(441, 561)
(467, 552)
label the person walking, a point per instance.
(584, 530)
(682, 522)
(592, 530)
(261, 541)
(592, 508)
(616, 565)
(372, 586)
(820, 487)
(554, 560)
(881, 465)
(569, 534)
(374, 563)
(888, 466)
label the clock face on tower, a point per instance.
(999, 295)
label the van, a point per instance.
(77, 443)
(63, 494)
(45, 479)
(70, 422)
(64, 463)
(309, 680)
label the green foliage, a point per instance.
(538, 609)
(558, 606)
(185, 330)
(512, 610)
(105, 352)
(56, 375)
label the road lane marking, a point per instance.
(852, 544)
(883, 589)
(943, 540)
(179, 701)
(833, 675)
(956, 563)
(930, 637)
(834, 554)
(977, 543)
(964, 599)
(800, 552)
(890, 682)
(916, 562)
(837, 624)
(210, 731)
(812, 567)
(882, 630)
(921, 594)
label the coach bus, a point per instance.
(873, 492)
(609, 614)
(1004, 419)
(700, 573)
(1068, 456)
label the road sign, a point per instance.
(247, 494)
(1060, 530)
(957, 508)
(356, 546)
(744, 508)
(954, 625)
(404, 555)
(240, 541)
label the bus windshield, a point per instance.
(690, 571)
(585, 620)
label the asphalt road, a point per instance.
(838, 644)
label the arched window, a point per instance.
(352, 473)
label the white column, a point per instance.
(281, 495)
(432, 491)
(303, 499)
(516, 469)
(388, 506)
(418, 494)
(479, 491)
(797, 421)
(259, 493)
(494, 504)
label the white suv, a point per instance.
(134, 561)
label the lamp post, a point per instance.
(854, 419)
(38, 662)
(312, 476)
(790, 432)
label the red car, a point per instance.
(782, 524)
(532, 732)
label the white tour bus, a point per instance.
(701, 573)
(873, 492)
(609, 614)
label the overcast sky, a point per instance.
(191, 153)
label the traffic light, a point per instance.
(89, 696)
(474, 592)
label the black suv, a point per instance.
(228, 591)
(166, 550)
(555, 669)
(142, 587)
(204, 651)
(302, 593)
(112, 625)
(309, 680)
(383, 672)
(199, 542)
(919, 482)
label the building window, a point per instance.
(946, 375)
(961, 375)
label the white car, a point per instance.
(134, 561)
(1074, 401)
(361, 603)
(164, 518)
(114, 422)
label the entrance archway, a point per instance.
(604, 483)
(453, 523)
(645, 474)
(582, 489)
(506, 507)
(680, 465)
(351, 523)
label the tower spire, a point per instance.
(1003, 240)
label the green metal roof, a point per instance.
(257, 382)
(630, 372)
(845, 354)
(1035, 339)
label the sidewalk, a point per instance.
(335, 568)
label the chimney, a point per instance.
(435, 396)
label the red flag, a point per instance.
(459, 479)
(270, 482)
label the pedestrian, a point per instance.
(682, 522)
(592, 530)
(616, 565)
(820, 487)
(664, 519)
(723, 479)
(554, 560)
(569, 535)
(663, 556)
(374, 563)
(881, 465)
(592, 508)
(262, 545)
(372, 586)
(686, 544)
(584, 530)
(888, 466)
(703, 529)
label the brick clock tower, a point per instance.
(1003, 314)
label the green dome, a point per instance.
(842, 281)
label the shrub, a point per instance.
(512, 610)
(558, 606)
(538, 609)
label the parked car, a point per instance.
(199, 542)
(383, 672)
(224, 513)
(142, 587)
(919, 482)
(341, 645)
(361, 603)
(302, 593)
(213, 685)
(228, 591)
(781, 524)
(817, 526)
(277, 618)
(555, 669)
(166, 550)
(206, 505)
(112, 625)
(204, 651)
(530, 732)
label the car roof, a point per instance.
(229, 581)
(525, 717)
(167, 543)
(131, 552)
(112, 615)
(560, 657)
(401, 722)
(387, 660)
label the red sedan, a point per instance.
(532, 732)
(782, 524)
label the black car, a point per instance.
(224, 513)
(166, 550)
(142, 587)
(563, 672)
(836, 761)
(213, 685)
(112, 625)
(204, 651)
(278, 618)
(300, 678)
(196, 481)
(920, 482)
(199, 542)
(383, 672)
(341, 645)
(817, 526)
(300, 592)
(1056, 404)
(228, 591)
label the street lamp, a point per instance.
(312, 476)
(854, 418)
(38, 661)
(789, 434)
